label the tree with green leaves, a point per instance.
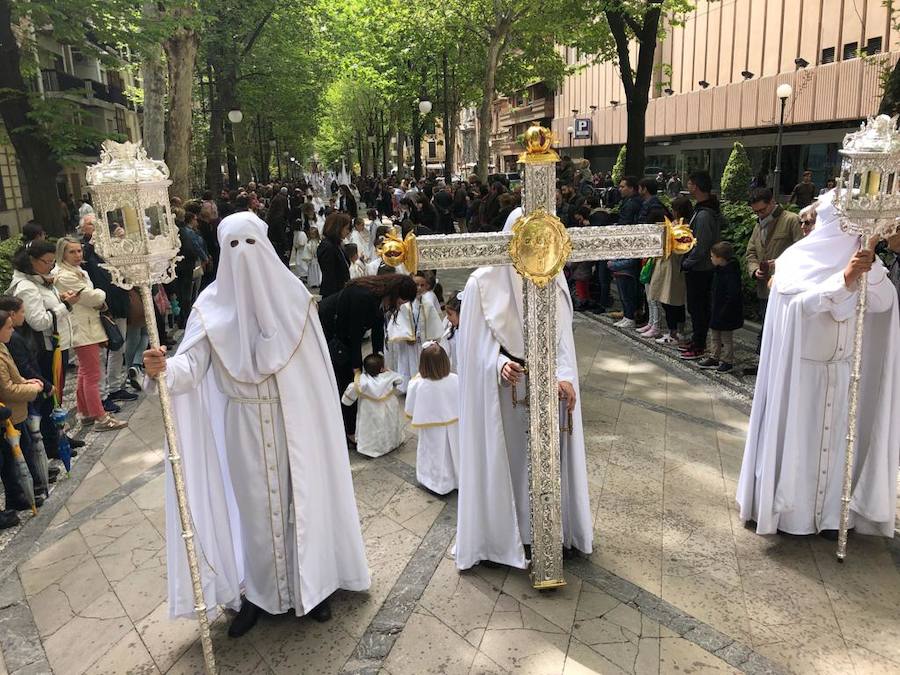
(737, 175)
(609, 29)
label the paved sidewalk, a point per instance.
(675, 584)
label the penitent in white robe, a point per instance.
(792, 472)
(494, 501)
(261, 439)
(433, 409)
(379, 422)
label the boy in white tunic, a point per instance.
(792, 472)
(379, 425)
(432, 404)
(262, 441)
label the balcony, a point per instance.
(61, 82)
(538, 109)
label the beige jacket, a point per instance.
(14, 393)
(86, 326)
(780, 235)
(667, 282)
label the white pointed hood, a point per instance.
(255, 311)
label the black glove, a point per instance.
(5, 413)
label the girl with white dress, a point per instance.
(297, 263)
(402, 349)
(313, 271)
(452, 308)
(379, 425)
(364, 243)
(432, 404)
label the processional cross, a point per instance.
(538, 247)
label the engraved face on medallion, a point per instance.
(539, 247)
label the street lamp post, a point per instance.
(235, 116)
(424, 109)
(571, 132)
(783, 92)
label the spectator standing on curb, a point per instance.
(727, 307)
(697, 265)
(776, 230)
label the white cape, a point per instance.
(379, 422)
(487, 526)
(791, 415)
(433, 409)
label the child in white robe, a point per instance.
(313, 271)
(357, 268)
(364, 243)
(452, 308)
(402, 345)
(379, 425)
(432, 403)
(427, 311)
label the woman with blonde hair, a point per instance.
(88, 333)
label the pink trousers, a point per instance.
(88, 388)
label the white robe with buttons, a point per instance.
(792, 473)
(268, 480)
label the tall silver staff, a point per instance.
(131, 192)
(867, 198)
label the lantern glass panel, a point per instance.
(154, 219)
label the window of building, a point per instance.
(827, 55)
(850, 50)
(873, 46)
(432, 149)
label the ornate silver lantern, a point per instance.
(137, 236)
(867, 197)
(131, 198)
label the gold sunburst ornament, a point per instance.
(679, 238)
(539, 247)
(395, 251)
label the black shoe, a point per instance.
(53, 474)
(111, 407)
(23, 505)
(709, 364)
(570, 553)
(321, 612)
(8, 519)
(122, 395)
(830, 535)
(724, 368)
(75, 443)
(527, 548)
(245, 619)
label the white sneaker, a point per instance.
(666, 339)
(625, 323)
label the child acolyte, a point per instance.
(379, 426)
(432, 404)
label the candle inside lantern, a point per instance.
(873, 182)
(132, 222)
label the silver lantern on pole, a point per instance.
(867, 198)
(138, 238)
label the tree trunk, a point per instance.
(400, 158)
(637, 82)
(484, 108)
(181, 53)
(890, 102)
(385, 136)
(153, 73)
(33, 151)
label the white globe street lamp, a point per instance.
(235, 116)
(571, 132)
(424, 106)
(783, 92)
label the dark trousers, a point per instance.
(674, 315)
(605, 279)
(183, 287)
(628, 294)
(344, 377)
(763, 306)
(699, 305)
(44, 405)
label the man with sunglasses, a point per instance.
(774, 232)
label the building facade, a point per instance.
(98, 92)
(715, 82)
(511, 116)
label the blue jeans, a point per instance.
(136, 340)
(628, 289)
